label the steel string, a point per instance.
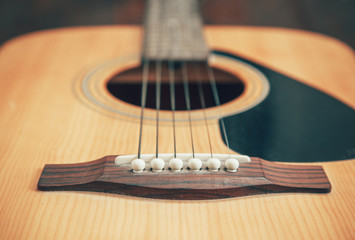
(212, 81)
(143, 101)
(203, 104)
(188, 104)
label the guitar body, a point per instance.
(45, 119)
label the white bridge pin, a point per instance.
(176, 164)
(138, 165)
(195, 164)
(213, 164)
(157, 164)
(231, 164)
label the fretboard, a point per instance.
(173, 31)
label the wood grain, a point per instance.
(172, 34)
(256, 177)
(43, 121)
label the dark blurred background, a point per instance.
(331, 17)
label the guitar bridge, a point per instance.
(114, 174)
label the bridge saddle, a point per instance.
(194, 162)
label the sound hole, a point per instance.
(127, 85)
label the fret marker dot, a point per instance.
(138, 165)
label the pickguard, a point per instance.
(294, 123)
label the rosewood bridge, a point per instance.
(235, 176)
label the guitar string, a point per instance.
(143, 101)
(158, 76)
(173, 107)
(170, 27)
(188, 104)
(215, 94)
(172, 98)
(185, 38)
(157, 102)
(203, 103)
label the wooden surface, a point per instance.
(255, 177)
(170, 33)
(44, 121)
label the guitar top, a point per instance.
(53, 113)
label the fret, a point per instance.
(173, 31)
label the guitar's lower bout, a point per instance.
(44, 120)
(256, 177)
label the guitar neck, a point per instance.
(173, 31)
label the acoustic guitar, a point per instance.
(174, 131)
